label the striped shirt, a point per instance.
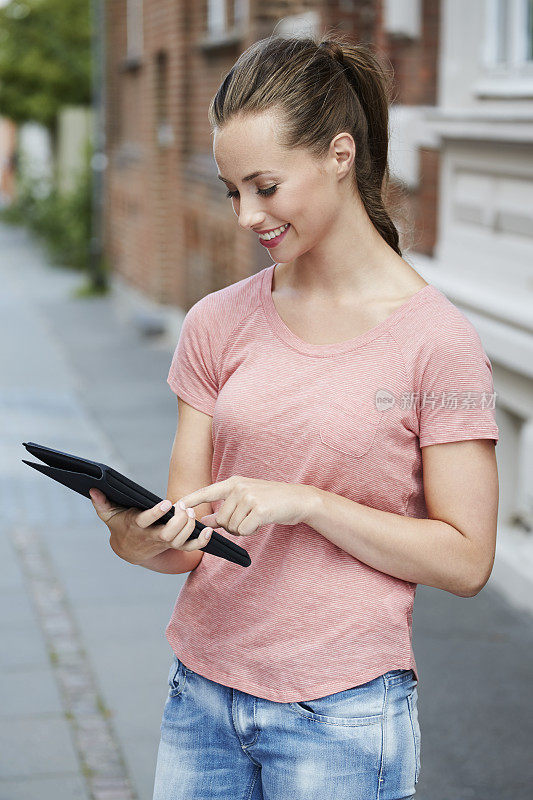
(306, 618)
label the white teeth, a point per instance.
(274, 233)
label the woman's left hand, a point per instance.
(250, 503)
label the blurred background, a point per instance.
(112, 225)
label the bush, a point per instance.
(61, 221)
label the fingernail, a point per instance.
(208, 532)
(190, 512)
(181, 505)
(165, 505)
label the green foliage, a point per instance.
(45, 64)
(90, 288)
(61, 221)
(45, 58)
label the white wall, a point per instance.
(36, 155)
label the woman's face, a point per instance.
(293, 189)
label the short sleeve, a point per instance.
(456, 398)
(192, 373)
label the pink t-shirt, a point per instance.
(306, 618)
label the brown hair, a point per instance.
(323, 88)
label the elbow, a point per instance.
(469, 584)
(467, 591)
(477, 588)
(478, 575)
(472, 589)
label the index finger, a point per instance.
(215, 491)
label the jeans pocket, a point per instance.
(359, 705)
(177, 677)
(396, 677)
(412, 702)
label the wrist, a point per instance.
(311, 503)
(117, 551)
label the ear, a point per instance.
(343, 147)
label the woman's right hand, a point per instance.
(134, 541)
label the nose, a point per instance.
(249, 217)
(249, 221)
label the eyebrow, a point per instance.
(248, 177)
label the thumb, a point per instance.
(103, 506)
(99, 500)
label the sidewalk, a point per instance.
(84, 658)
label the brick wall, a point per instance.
(144, 225)
(8, 148)
(169, 229)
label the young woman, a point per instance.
(336, 418)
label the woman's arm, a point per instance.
(453, 549)
(173, 562)
(190, 467)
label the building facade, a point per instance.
(461, 159)
(171, 232)
(8, 147)
(482, 127)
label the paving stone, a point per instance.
(22, 646)
(36, 745)
(43, 787)
(28, 690)
(18, 611)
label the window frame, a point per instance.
(512, 76)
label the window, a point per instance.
(509, 34)
(164, 130)
(227, 22)
(240, 12)
(134, 29)
(403, 18)
(216, 16)
(501, 32)
(507, 57)
(529, 31)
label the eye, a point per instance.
(264, 192)
(269, 191)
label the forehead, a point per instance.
(246, 144)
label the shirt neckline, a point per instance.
(296, 343)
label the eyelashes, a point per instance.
(264, 192)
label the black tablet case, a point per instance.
(81, 474)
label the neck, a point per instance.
(352, 263)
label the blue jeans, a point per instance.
(362, 743)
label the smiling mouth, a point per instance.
(273, 234)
